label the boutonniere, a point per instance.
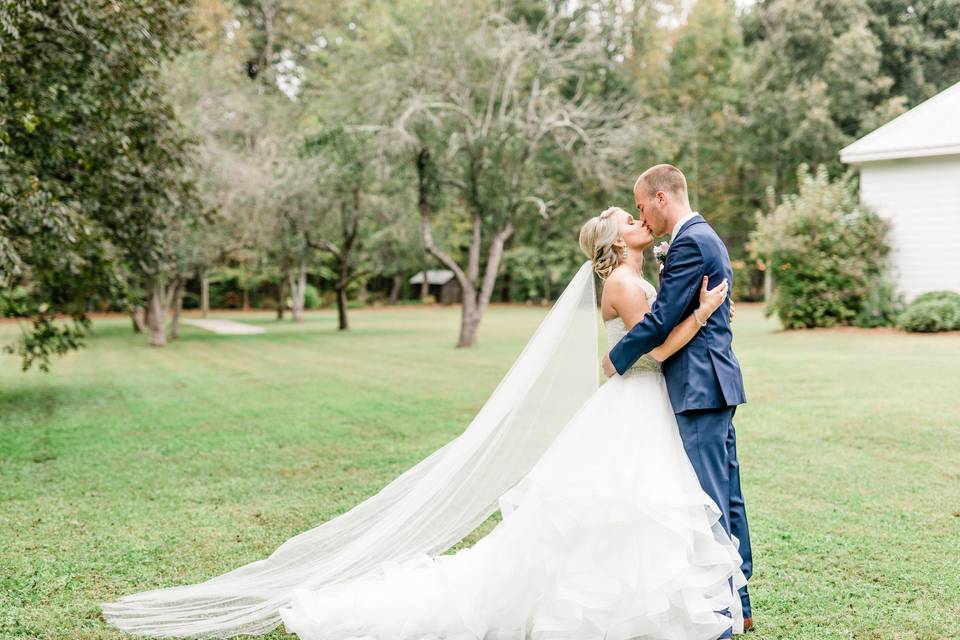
(660, 253)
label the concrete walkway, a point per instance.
(224, 326)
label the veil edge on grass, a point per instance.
(427, 509)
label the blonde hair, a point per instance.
(597, 236)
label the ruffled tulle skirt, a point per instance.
(609, 536)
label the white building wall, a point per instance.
(921, 197)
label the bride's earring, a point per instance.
(624, 252)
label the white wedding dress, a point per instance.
(608, 536)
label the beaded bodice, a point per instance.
(616, 330)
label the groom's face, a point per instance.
(652, 214)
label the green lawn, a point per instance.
(129, 468)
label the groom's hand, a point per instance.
(608, 368)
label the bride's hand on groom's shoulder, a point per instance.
(712, 299)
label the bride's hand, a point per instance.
(711, 299)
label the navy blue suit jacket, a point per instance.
(705, 374)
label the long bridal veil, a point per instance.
(427, 509)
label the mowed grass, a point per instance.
(128, 468)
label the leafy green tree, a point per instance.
(352, 179)
(920, 45)
(823, 73)
(90, 157)
(247, 148)
(481, 108)
(703, 91)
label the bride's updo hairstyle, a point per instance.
(597, 236)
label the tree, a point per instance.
(817, 83)
(350, 182)
(484, 126)
(90, 155)
(704, 92)
(246, 133)
(919, 43)
(295, 206)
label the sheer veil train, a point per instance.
(427, 509)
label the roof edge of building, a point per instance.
(898, 154)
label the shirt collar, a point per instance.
(682, 221)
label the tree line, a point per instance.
(148, 150)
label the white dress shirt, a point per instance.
(680, 223)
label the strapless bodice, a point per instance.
(616, 330)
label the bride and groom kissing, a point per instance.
(622, 513)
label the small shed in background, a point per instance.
(442, 283)
(910, 175)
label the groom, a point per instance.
(703, 379)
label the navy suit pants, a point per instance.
(711, 444)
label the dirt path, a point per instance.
(223, 326)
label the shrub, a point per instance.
(827, 254)
(191, 300)
(311, 297)
(930, 296)
(932, 314)
(14, 303)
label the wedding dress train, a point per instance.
(606, 532)
(609, 536)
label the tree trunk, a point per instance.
(137, 318)
(395, 288)
(506, 283)
(474, 304)
(343, 279)
(469, 320)
(298, 290)
(177, 308)
(246, 299)
(342, 306)
(281, 294)
(158, 315)
(204, 294)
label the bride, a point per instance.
(606, 532)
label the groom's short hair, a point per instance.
(663, 177)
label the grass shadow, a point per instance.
(33, 400)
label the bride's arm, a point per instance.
(631, 308)
(710, 301)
